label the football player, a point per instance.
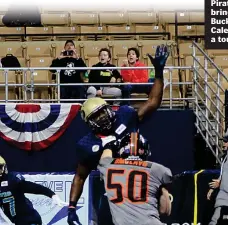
(104, 123)
(13, 202)
(135, 188)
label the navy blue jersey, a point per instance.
(89, 148)
(13, 202)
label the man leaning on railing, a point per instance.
(70, 58)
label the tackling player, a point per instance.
(104, 122)
(13, 202)
(135, 187)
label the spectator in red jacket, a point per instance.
(134, 75)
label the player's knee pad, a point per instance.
(223, 219)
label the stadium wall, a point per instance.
(170, 134)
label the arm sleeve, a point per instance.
(55, 63)
(33, 188)
(167, 176)
(82, 64)
(93, 78)
(127, 75)
(116, 74)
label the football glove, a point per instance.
(159, 60)
(58, 201)
(73, 217)
(110, 142)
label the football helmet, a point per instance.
(134, 146)
(97, 113)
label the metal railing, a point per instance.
(209, 104)
(29, 86)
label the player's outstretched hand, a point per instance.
(58, 201)
(215, 183)
(159, 60)
(73, 217)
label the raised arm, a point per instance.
(156, 93)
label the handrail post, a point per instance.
(206, 95)
(6, 85)
(58, 85)
(217, 113)
(195, 85)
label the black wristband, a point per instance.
(72, 204)
(159, 74)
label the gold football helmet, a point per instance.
(97, 113)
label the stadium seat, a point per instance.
(83, 18)
(52, 19)
(166, 17)
(90, 50)
(216, 52)
(12, 79)
(107, 18)
(149, 29)
(123, 29)
(59, 33)
(186, 49)
(14, 48)
(119, 61)
(183, 17)
(40, 76)
(87, 32)
(46, 33)
(142, 17)
(221, 61)
(200, 30)
(189, 60)
(8, 31)
(187, 30)
(171, 29)
(38, 48)
(196, 17)
(23, 62)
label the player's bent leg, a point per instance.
(215, 216)
(112, 91)
(91, 92)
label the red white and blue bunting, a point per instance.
(35, 126)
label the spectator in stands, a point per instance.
(104, 76)
(69, 58)
(134, 76)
